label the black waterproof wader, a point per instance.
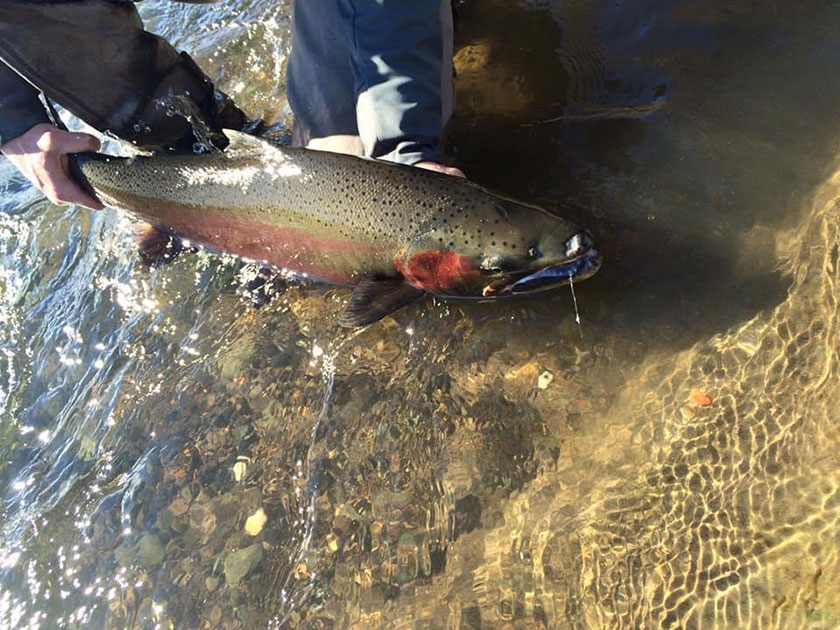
(95, 59)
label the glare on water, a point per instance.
(172, 456)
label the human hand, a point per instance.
(42, 154)
(440, 168)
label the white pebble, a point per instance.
(545, 379)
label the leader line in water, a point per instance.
(574, 301)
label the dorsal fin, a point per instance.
(241, 141)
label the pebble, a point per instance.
(239, 563)
(203, 518)
(700, 398)
(211, 583)
(545, 379)
(179, 506)
(150, 550)
(255, 523)
(215, 615)
(124, 554)
(523, 375)
(165, 519)
(186, 494)
(239, 469)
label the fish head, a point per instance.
(555, 256)
(513, 249)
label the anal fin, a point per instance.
(156, 246)
(375, 297)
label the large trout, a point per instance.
(395, 233)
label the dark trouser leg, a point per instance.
(95, 59)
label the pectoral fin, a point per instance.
(375, 297)
(156, 246)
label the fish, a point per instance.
(392, 233)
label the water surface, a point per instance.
(173, 457)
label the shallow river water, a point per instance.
(172, 457)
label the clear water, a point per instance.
(462, 466)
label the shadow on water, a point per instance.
(651, 130)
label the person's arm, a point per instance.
(401, 57)
(20, 107)
(42, 155)
(38, 149)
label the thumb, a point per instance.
(81, 142)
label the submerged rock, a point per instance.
(545, 379)
(255, 523)
(203, 519)
(150, 550)
(239, 469)
(239, 563)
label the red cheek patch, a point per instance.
(436, 271)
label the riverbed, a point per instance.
(173, 457)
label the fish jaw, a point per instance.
(570, 260)
(581, 268)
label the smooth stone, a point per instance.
(150, 550)
(239, 563)
(124, 554)
(545, 379)
(255, 523)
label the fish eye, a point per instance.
(534, 252)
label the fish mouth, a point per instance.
(580, 268)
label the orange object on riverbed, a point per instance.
(700, 398)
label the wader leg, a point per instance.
(95, 59)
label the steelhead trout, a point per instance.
(395, 233)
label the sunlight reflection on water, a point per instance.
(676, 469)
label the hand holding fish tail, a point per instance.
(42, 155)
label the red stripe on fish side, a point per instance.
(324, 257)
(436, 271)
